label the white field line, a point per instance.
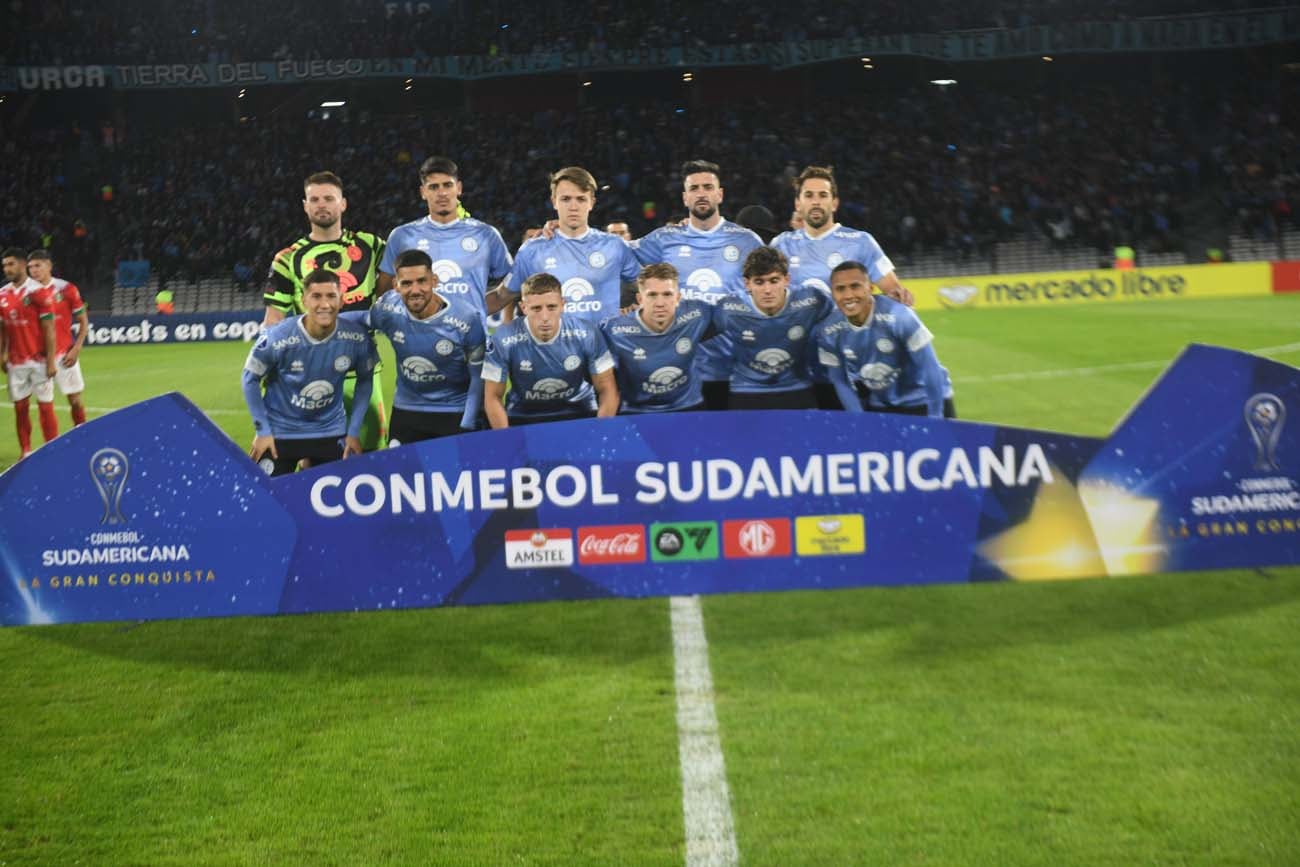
(1066, 372)
(706, 800)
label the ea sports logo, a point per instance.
(757, 538)
(447, 270)
(418, 369)
(704, 279)
(549, 387)
(772, 360)
(576, 288)
(877, 375)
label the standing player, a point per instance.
(66, 298)
(655, 345)
(27, 348)
(439, 346)
(468, 256)
(591, 265)
(303, 362)
(619, 229)
(821, 244)
(353, 256)
(879, 355)
(771, 335)
(709, 251)
(558, 366)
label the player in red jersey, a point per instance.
(27, 347)
(67, 306)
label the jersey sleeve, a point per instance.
(261, 358)
(499, 259)
(631, 267)
(520, 270)
(475, 340)
(828, 351)
(878, 264)
(359, 318)
(72, 295)
(496, 361)
(281, 287)
(599, 358)
(650, 249)
(392, 247)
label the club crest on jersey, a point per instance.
(572, 362)
(834, 259)
(444, 347)
(731, 253)
(683, 345)
(596, 259)
(469, 245)
(795, 332)
(884, 344)
(342, 363)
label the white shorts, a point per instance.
(30, 377)
(69, 378)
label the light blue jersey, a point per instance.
(551, 378)
(771, 352)
(812, 259)
(304, 380)
(438, 358)
(891, 355)
(710, 265)
(654, 370)
(591, 270)
(468, 255)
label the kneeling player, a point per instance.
(771, 335)
(548, 359)
(654, 346)
(303, 362)
(880, 356)
(438, 341)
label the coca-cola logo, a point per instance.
(619, 543)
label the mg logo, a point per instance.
(757, 538)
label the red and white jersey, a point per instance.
(22, 308)
(67, 304)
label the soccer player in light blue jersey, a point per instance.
(558, 366)
(709, 251)
(655, 345)
(771, 333)
(821, 244)
(468, 255)
(879, 354)
(439, 344)
(591, 265)
(303, 361)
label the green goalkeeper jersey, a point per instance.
(354, 257)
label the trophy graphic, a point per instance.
(109, 468)
(1265, 415)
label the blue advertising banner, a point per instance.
(174, 328)
(152, 512)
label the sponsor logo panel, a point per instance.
(539, 549)
(685, 540)
(823, 535)
(756, 537)
(611, 543)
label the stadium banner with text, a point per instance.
(1225, 30)
(173, 328)
(1099, 286)
(152, 512)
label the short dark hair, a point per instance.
(320, 275)
(696, 167)
(540, 283)
(40, 254)
(849, 265)
(323, 178)
(14, 253)
(438, 166)
(823, 173)
(657, 271)
(765, 260)
(413, 259)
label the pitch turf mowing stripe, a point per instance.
(706, 801)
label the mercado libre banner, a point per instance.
(1174, 33)
(152, 512)
(1100, 286)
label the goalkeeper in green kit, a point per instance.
(354, 256)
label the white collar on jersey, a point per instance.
(302, 326)
(446, 305)
(438, 225)
(585, 232)
(821, 237)
(529, 328)
(693, 228)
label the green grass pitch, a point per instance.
(1151, 720)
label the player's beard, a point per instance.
(816, 218)
(703, 211)
(328, 223)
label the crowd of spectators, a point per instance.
(45, 32)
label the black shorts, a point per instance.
(412, 426)
(714, 392)
(521, 421)
(827, 396)
(318, 450)
(802, 398)
(949, 411)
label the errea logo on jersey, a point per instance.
(539, 549)
(317, 394)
